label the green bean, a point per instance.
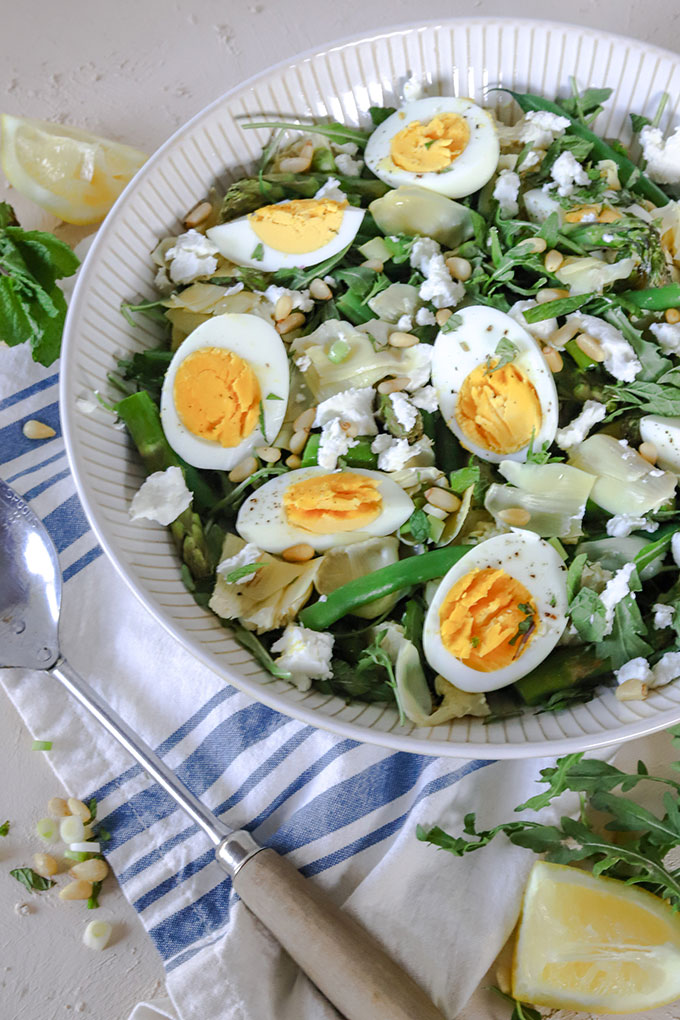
(629, 173)
(310, 454)
(348, 597)
(655, 299)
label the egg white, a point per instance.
(237, 241)
(262, 519)
(535, 564)
(468, 173)
(460, 351)
(258, 343)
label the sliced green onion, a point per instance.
(86, 848)
(339, 351)
(75, 855)
(97, 934)
(46, 829)
(41, 745)
(72, 829)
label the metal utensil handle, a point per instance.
(340, 957)
(134, 745)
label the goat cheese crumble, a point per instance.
(305, 654)
(162, 497)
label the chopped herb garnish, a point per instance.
(4, 829)
(93, 901)
(247, 570)
(506, 351)
(261, 418)
(273, 396)
(525, 625)
(257, 253)
(41, 745)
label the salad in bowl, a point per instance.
(414, 419)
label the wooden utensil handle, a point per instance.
(339, 956)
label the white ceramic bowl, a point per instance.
(460, 57)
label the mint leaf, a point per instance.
(31, 879)
(463, 478)
(506, 351)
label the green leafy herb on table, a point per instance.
(32, 307)
(640, 860)
(4, 829)
(31, 879)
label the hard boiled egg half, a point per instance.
(227, 377)
(300, 232)
(443, 143)
(495, 409)
(322, 508)
(497, 613)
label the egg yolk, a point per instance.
(336, 502)
(428, 148)
(299, 226)
(488, 619)
(602, 214)
(499, 409)
(217, 396)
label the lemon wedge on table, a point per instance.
(595, 944)
(71, 173)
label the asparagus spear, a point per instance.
(143, 422)
(565, 669)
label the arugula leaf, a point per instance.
(521, 1010)
(376, 654)
(637, 122)
(4, 828)
(31, 879)
(541, 456)
(245, 571)
(248, 640)
(32, 307)
(588, 614)
(574, 575)
(626, 640)
(380, 113)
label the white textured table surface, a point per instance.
(136, 70)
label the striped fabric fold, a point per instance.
(345, 812)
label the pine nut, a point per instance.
(535, 244)
(199, 214)
(649, 452)
(78, 890)
(298, 441)
(291, 322)
(393, 385)
(398, 339)
(459, 268)
(563, 335)
(77, 808)
(305, 420)
(269, 454)
(283, 307)
(45, 865)
(94, 870)
(320, 290)
(293, 462)
(295, 164)
(442, 498)
(672, 315)
(590, 346)
(553, 359)
(57, 807)
(244, 469)
(550, 294)
(632, 690)
(300, 553)
(553, 260)
(37, 430)
(375, 264)
(515, 516)
(443, 315)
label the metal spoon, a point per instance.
(339, 956)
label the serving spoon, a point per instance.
(335, 952)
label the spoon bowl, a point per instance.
(30, 587)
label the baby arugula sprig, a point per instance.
(32, 307)
(639, 857)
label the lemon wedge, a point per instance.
(594, 944)
(71, 173)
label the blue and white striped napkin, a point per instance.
(345, 812)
